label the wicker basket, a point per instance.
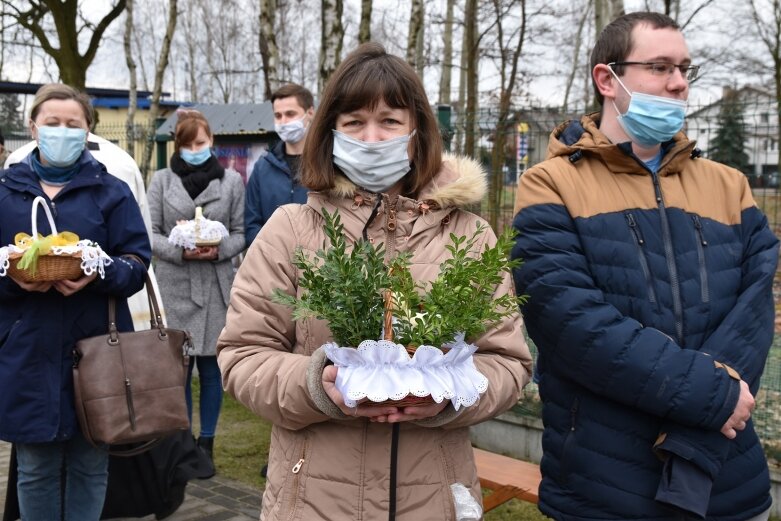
(50, 267)
(410, 399)
(198, 240)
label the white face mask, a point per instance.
(374, 166)
(292, 131)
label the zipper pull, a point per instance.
(698, 226)
(633, 225)
(297, 466)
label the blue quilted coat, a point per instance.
(39, 330)
(650, 296)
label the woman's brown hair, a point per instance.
(367, 76)
(187, 124)
(60, 91)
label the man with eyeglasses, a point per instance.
(649, 272)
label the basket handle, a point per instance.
(41, 201)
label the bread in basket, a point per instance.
(197, 232)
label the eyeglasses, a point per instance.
(689, 72)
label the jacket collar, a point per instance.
(276, 157)
(20, 176)
(574, 139)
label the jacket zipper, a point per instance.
(669, 254)
(701, 244)
(563, 467)
(296, 480)
(639, 242)
(390, 242)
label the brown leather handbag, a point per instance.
(130, 386)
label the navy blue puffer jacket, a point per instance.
(650, 297)
(39, 330)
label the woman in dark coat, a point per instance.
(40, 322)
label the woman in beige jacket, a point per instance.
(373, 152)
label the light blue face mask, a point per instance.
(61, 146)
(196, 158)
(375, 166)
(650, 120)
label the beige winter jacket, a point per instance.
(324, 465)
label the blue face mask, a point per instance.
(61, 146)
(650, 120)
(196, 158)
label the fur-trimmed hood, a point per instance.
(460, 182)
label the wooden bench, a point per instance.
(507, 478)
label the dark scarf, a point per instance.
(53, 175)
(196, 178)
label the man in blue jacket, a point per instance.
(649, 272)
(275, 176)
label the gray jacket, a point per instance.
(196, 293)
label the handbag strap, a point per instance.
(155, 317)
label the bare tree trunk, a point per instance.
(420, 62)
(332, 37)
(447, 56)
(769, 31)
(192, 43)
(133, 90)
(415, 28)
(471, 73)
(461, 103)
(269, 52)
(509, 72)
(605, 11)
(576, 54)
(365, 30)
(154, 109)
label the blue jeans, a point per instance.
(211, 393)
(41, 470)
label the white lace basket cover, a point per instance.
(93, 258)
(382, 369)
(195, 232)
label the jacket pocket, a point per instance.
(569, 440)
(639, 244)
(448, 473)
(294, 482)
(701, 245)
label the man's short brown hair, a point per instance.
(367, 76)
(302, 95)
(615, 41)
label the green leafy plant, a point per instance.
(347, 289)
(342, 287)
(461, 299)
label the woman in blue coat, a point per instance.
(40, 322)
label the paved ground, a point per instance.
(215, 499)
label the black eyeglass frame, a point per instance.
(690, 72)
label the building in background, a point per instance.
(243, 132)
(760, 120)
